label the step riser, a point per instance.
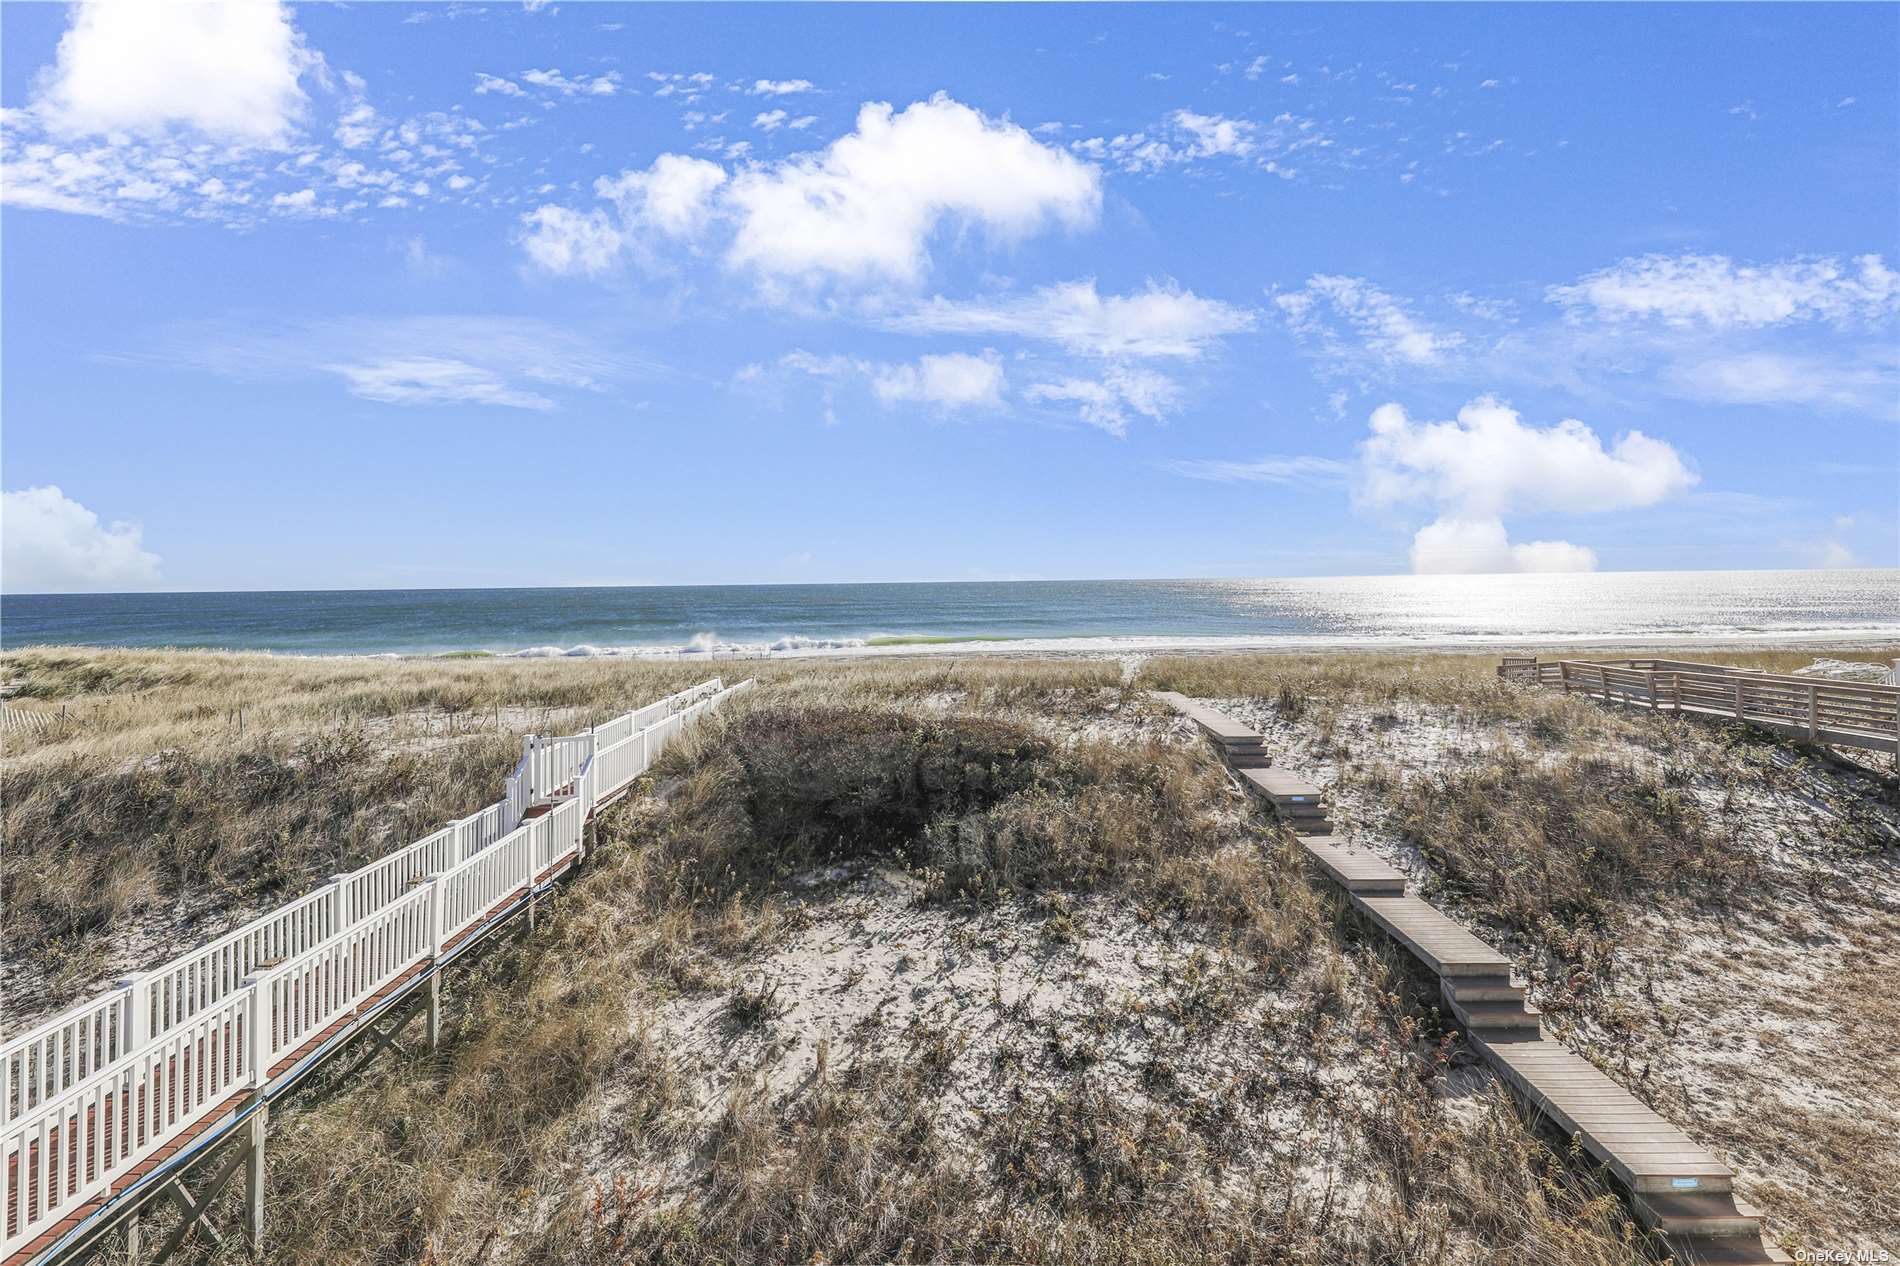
(1660, 1185)
(1470, 991)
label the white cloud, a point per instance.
(434, 380)
(1330, 310)
(507, 361)
(228, 70)
(1453, 546)
(1714, 292)
(673, 196)
(1868, 383)
(1184, 136)
(485, 84)
(780, 87)
(49, 543)
(580, 85)
(860, 210)
(769, 120)
(952, 381)
(1106, 402)
(561, 241)
(1488, 463)
(866, 206)
(1155, 321)
(1215, 134)
(178, 174)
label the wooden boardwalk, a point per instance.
(1818, 709)
(1677, 1187)
(220, 1120)
(107, 1106)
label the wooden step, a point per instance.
(1281, 786)
(1726, 1250)
(1354, 869)
(1218, 725)
(1470, 989)
(1440, 944)
(1646, 1153)
(1496, 1015)
(1704, 1214)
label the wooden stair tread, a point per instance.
(1445, 947)
(1279, 784)
(1353, 869)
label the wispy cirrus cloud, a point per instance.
(1288, 471)
(1159, 320)
(1715, 292)
(1809, 331)
(503, 362)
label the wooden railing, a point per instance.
(1820, 709)
(89, 1094)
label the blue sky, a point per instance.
(420, 296)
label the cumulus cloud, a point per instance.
(866, 206)
(228, 70)
(1487, 463)
(1453, 546)
(1349, 317)
(50, 543)
(673, 198)
(1157, 321)
(780, 87)
(861, 210)
(1714, 292)
(559, 240)
(206, 121)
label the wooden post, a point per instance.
(132, 1240)
(1738, 698)
(256, 1021)
(341, 915)
(254, 1181)
(435, 1007)
(1814, 713)
(138, 1015)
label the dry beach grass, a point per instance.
(985, 960)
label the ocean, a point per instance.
(1079, 615)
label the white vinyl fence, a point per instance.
(87, 1095)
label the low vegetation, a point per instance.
(1707, 912)
(904, 961)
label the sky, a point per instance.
(424, 296)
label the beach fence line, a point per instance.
(96, 1101)
(1821, 710)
